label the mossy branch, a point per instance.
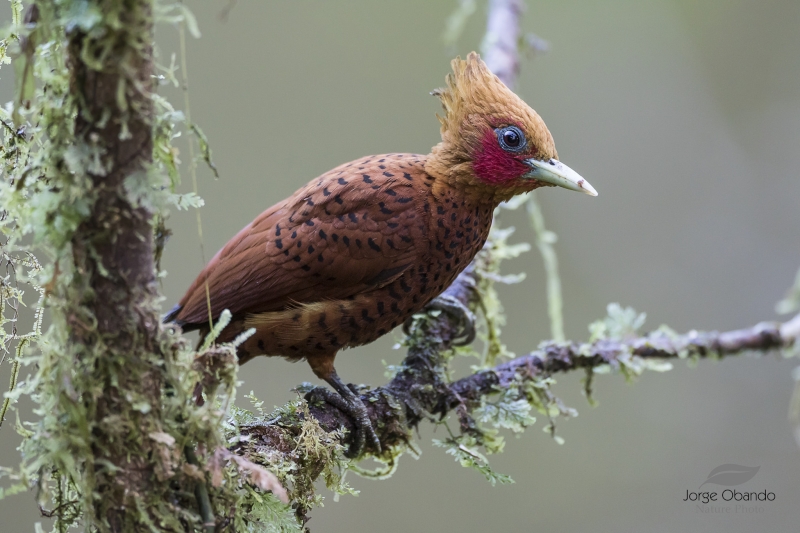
(632, 355)
(420, 390)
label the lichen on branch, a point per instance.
(502, 397)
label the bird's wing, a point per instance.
(355, 228)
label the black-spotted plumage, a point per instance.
(337, 265)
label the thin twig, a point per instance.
(15, 365)
(13, 132)
(501, 42)
(544, 242)
(566, 357)
(423, 390)
(192, 160)
(201, 494)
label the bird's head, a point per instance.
(492, 141)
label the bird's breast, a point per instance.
(458, 227)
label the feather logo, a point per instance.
(729, 475)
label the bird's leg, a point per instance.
(453, 307)
(347, 401)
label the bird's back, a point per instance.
(342, 261)
(330, 239)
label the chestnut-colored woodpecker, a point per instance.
(358, 250)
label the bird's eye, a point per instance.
(511, 139)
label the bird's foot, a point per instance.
(350, 403)
(465, 317)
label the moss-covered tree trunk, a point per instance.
(114, 324)
(88, 166)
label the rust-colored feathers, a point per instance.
(356, 251)
(330, 239)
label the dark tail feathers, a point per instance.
(170, 317)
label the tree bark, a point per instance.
(503, 30)
(114, 284)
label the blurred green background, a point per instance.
(684, 115)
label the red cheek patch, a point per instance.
(494, 165)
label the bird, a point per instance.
(358, 250)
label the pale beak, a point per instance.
(557, 173)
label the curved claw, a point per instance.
(466, 318)
(407, 325)
(323, 395)
(349, 402)
(364, 430)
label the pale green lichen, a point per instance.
(487, 266)
(465, 451)
(620, 324)
(314, 452)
